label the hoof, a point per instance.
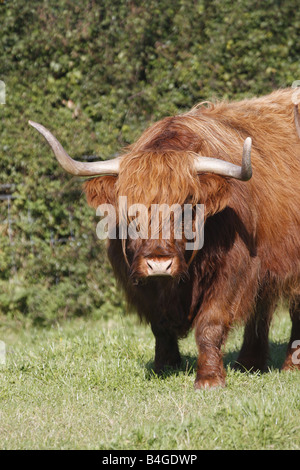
(209, 383)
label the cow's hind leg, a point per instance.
(292, 360)
(166, 349)
(254, 352)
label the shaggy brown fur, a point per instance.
(251, 253)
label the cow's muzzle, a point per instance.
(159, 267)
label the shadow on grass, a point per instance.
(188, 364)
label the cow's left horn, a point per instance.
(107, 167)
(297, 119)
(223, 168)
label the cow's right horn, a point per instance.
(223, 168)
(106, 167)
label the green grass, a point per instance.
(88, 384)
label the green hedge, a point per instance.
(97, 73)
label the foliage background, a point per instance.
(97, 73)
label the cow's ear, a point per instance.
(215, 193)
(100, 190)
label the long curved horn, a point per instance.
(220, 167)
(107, 167)
(297, 119)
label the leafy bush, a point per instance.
(97, 73)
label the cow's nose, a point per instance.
(159, 267)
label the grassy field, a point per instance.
(88, 384)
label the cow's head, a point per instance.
(165, 167)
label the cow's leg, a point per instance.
(254, 352)
(166, 348)
(210, 333)
(292, 360)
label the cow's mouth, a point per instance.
(158, 269)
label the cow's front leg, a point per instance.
(166, 348)
(210, 336)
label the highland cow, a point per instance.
(251, 253)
